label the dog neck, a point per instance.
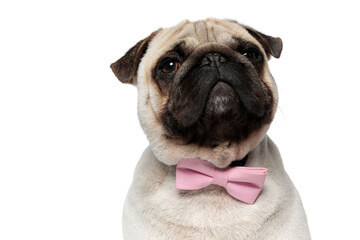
(239, 163)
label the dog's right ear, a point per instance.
(273, 45)
(125, 69)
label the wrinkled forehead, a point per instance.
(192, 35)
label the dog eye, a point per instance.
(251, 55)
(170, 66)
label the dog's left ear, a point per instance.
(125, 69)
(273, 46)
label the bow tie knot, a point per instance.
(220, 177)
(243, 183)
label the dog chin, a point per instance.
(222, 99)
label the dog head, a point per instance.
(204, 89)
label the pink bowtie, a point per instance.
(243, 183)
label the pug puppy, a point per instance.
(205, 91)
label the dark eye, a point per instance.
(251, 55)
(170, 66)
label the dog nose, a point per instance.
(215, 59)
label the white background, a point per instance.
(69, 134)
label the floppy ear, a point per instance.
(125, 69)
(273, 46)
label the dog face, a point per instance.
(204, 89)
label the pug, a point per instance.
(205, 93)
